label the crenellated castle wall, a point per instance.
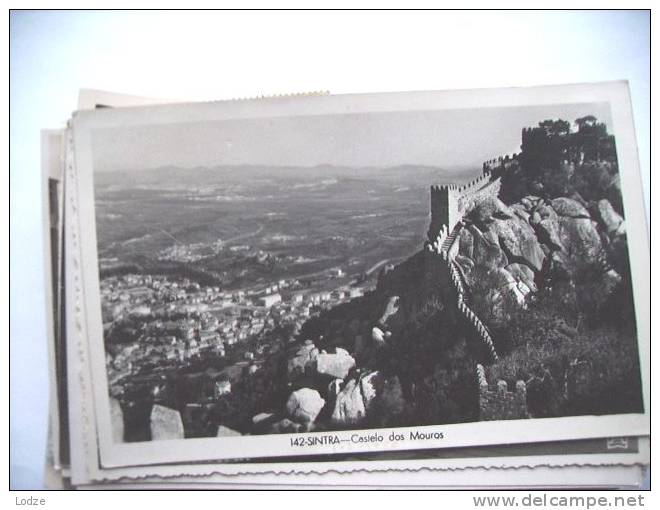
(499, 403)
(471, 197)
(446, 247)
(497, 166)
(450, 202)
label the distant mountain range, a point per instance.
(412, 174)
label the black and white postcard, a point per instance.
(332, 275)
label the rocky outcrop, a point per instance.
(580, 237)
(505, 284)
(377, 336)
(369, 397)
(490, 209)
(518, 241)
(304, 357)
(486, 252)
(488, 264)
(547, 230)
(304, 406)
(521, 212)
(391, 308)
(368, 388)
(509, 249)
(611, 221)
(336, 365)
(522, 274)
(165, 423)
(569, 208)
(349, 406)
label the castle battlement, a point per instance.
(499, 403)
(450, 202)
(497, 166)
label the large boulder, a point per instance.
(369, 385)
(165, 423)
(336, 365)
(520, 211)
(611, 220)
(501, 278)
(580, 237)
(530, 202)
(377, 336)
(508, 288)
(518, 241)
(304, 405)
(523, 275)
(391, 308)
(545, 211)
(535, 218)
(548, 233)
(382, 396)
(486, 252)
(489, 209)
(303, 358)
(569, 208)
(349, 406)
(465, 243)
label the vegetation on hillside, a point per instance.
(574, 320)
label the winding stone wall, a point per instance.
(449, 204)
(444, 247)
(499, 403)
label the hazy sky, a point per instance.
(445, 139)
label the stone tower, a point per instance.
(444, 209)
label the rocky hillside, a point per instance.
(508, 252)
(546, 269)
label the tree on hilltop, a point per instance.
(557, 127)
(586, 122)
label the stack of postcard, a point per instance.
(419, 289)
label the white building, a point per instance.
(356, 292)
(337, 272)
(270, 300)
